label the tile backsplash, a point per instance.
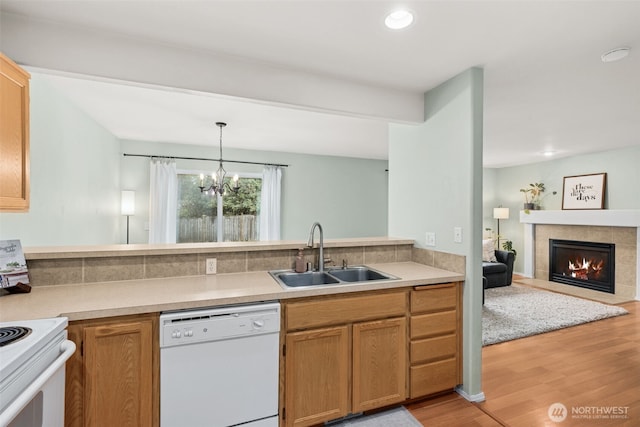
(92, 269)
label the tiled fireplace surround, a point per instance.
(620, 227)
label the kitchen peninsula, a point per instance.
(85, 282)
(113, 296)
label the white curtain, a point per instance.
(163, 201)
(270, 203)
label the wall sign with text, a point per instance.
(584, 191)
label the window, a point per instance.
(198, 213)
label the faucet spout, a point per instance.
(320, 247)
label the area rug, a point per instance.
(396, 417)
(512, 312)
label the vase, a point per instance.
(528, 206)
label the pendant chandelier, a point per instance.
(219, 186)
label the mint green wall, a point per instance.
(348, 196)
(623, 175)
(75, 193)
(435, 184)
(78, 171)
(489, 201)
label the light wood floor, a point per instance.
(589, 367)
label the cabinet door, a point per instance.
(379, 363)
(316, 376)
(14, 137)
(119, 374)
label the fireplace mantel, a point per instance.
(596, 218)
(605, 217)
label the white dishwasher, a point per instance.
(219, 366)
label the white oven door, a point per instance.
(41, 404)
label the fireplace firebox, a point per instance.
(588, 265)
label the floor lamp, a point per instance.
(498, 214)
(128, 206)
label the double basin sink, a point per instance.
(331, 276)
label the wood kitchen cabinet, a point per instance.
(379, 363)
(343, 354)
(112, 379)
(14, 137)
(317, 369)
(435, 348)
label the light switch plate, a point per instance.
(430, 239)
(457, 234)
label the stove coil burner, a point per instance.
(11, 334)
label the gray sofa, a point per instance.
(498, 273)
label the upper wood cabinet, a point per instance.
(14, 137)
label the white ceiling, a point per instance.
(545, 85)
(165, 115)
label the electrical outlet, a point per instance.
(457, 234)
(212, 265)
(430, 239)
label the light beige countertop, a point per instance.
(92, 251)
(106, 299)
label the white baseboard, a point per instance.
(522, 274)
(479, 397)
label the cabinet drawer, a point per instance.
(434, 299)
(342, 310)
(425, 325)
(433, 377)
(433, 348)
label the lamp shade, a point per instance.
(128, 202)
(500, 213)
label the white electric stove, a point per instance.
(33, 354)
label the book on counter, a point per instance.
(14, 275)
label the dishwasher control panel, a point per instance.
(185, 327)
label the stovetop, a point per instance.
(11, 334)
(17, 353)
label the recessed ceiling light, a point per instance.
(615, 54)
(548, 153)
(398, 19)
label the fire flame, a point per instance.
(581, 270)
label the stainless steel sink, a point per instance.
(334, 276)
(309, 278)
(358, 274)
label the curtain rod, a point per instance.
(209, 160)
